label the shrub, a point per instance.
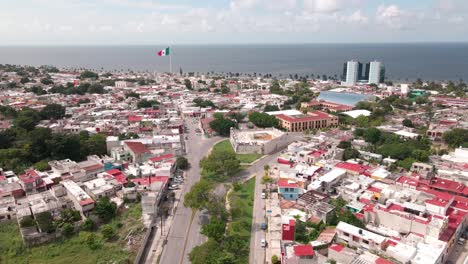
(88, 225)
(107, 232)
(27, 221)
(67, 229)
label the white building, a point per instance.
(375, 72)
(352, 73)
(80, 198)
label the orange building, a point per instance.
(298, 122)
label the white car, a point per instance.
(263, 243)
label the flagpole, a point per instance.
(170, 59)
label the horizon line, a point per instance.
(233, 44)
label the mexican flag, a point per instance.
(164, 52)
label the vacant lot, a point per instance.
(75, 249)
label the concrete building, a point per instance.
(357, 237)
(263, 141)
(296, 121)
(81, 200)
(351, 72)
(376, 72)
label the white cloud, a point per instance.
(391, 16)
(456, 20)
(324, 6)
(281, 4)
(243, 4)
(356, 18)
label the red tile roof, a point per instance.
(137, 147)
(86, 201)
(303, 250)
(162, 157)
(118, 176)
(448, 185)
(336, 247)
(134, 118)
(284, 183)
(359, 168)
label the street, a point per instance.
(185, 234)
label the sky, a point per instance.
(146, 22)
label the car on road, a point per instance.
(263, 226)
(264, 195)
(174, 187)
(461, 241)
(263, 243)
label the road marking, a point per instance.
(188, 232)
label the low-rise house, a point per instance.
(32, 182)
(289, 189)
(358, 237)
(298, 254)
(81, 200)
(101, 187)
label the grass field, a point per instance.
(241, 201)
(74, 249)
(244, 158)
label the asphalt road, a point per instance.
(185, 233)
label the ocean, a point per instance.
(403, 62)
(342, 98)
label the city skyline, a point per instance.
(144, 22)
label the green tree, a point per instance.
(132, 94)
(203, 103)
(182, 163)
(88, 74)
(147, 103)
(41, 165)
(274, 259)
(222, 126)
(344, 145)
(70, 215)
(237, 116)
(107, 232)
(67, 230)
(220, 164)
(270, 108)
(105, 209)
(372, 135)
(214, 229)
(53, 111)
(199, 195)
(263, 120)
(27, 119)
(88, 225)
(407, 123)
(456, 137)
(350, 153)
(90, 239)
(188, 84)
(24, 80)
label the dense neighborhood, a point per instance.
(143, 167)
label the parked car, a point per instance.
(263, 243)
(174, 187)
(263, 226)
(264, 195)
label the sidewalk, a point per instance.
(159, 238)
